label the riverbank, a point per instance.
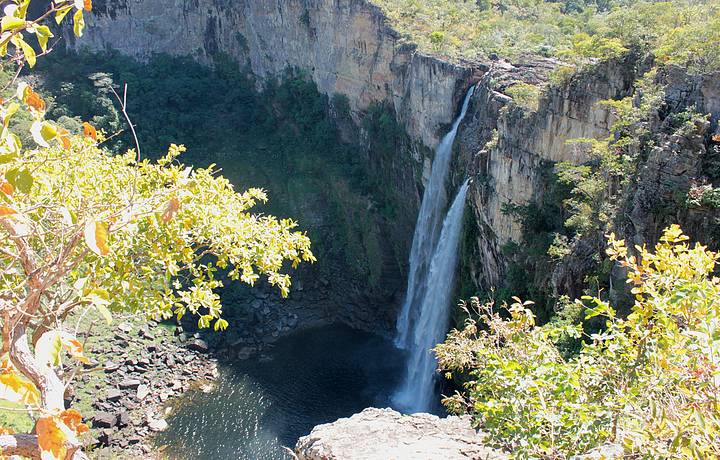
(137, 367)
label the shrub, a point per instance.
(648, 383)
(525, 95)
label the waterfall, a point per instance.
(426, 235)
(417, 393)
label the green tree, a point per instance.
(87, 230)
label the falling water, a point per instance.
(427, 229)
(417, 393)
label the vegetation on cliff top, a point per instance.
(683, 32)
(85, 230)
(648, 383)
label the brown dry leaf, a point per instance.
(34, 100)
(7, 188)
(73, 420)
(171, 209)
(89, 131)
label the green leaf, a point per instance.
(60, 15)
(22, 180)
(43, 34)
(28, 51)
(22, 8)
(105, 313)
(9, 112)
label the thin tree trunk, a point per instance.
(52, 390)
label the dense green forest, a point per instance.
(285, 139)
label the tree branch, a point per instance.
(26, 445)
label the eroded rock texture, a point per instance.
(383, 434)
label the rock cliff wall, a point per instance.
(345, 45)
(508, 149)
(510, 152)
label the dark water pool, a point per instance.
(314, 376)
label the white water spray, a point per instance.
(427, 231)
(417, 393)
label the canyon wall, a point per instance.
(344, 45)
(347, 48)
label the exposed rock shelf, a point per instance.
(384, 434)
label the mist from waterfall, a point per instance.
(427, 230)
(417, 393)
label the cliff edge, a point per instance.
(384, 434)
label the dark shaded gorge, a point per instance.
(268, 401)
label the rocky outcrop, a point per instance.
(510, 152)
(344, 45)
(507, 149)
(139, 367)
(383, 434)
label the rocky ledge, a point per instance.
(384, 434)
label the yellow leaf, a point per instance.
(15, 387)
(12, 22)
(5, 211)
(96, 237)
(78, 23)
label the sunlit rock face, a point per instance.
(380, 434)
(344, 45)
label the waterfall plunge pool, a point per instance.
(313, 376)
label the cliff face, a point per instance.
(511, 152)
(508, 150)
(344, 45)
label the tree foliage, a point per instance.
(87, 230)
(682, 32)
(648, 383)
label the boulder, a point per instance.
(104, 420)
(129, 384)
(198, 345)
(381, 434)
